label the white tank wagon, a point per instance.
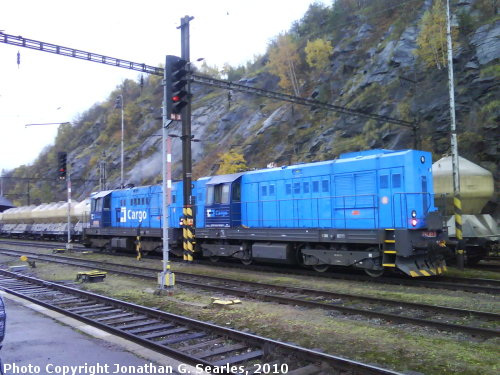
(16, 220)
(7, 215)
(8, 220)
(45, 221)
(480, 230)
(81, 214)
(16, 215)
(24, 221)
(38, 213)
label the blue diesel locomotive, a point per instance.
(372, 210)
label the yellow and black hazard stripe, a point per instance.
(138, 247)
(188, 234)
(431, 271)
(457, 205)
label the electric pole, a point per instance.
(188, 221)
(457, 203)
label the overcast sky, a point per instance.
(49, 88)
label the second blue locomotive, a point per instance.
(373, 210)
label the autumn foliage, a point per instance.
(232, 162)
(431, 41)
(283, 61)
(318, 53)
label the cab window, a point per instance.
(236, 193)
(218, 194)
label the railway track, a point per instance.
(492, 267)
(470, 322)
(192, 341)
(473, 285)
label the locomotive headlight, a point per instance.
(414, 222)
(414, 214)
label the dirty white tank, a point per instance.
(6, 215)
(37, 213)
(17, 215)
(81, 211)
(56, 212)
(29, 215)
(476, 186)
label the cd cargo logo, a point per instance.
(139, 215)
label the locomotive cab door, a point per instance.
(106, 211)
(391, 199)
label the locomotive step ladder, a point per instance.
(389, 248)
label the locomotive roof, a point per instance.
(101, 194)
(342, 158)
(220, 179)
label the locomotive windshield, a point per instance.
(218, 194)
(100, 204)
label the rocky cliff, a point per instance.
(373, 68)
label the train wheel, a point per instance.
(321, 267)
(374, 273)
(214, 259)
(246, 262)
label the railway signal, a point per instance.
(176, 82)
(62, 165)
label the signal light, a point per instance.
(61, 163)
(177, 95)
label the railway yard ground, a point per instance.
(29, 351)
(404, 347)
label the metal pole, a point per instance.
(188, 223)
(102, 172)
(457, 204)
(69, 246)
(122, 156)
(166, 277)
(101, 184)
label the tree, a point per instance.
(232, 162)
(318, 53)
(432, 37)
(211, 71)
(283, 58)
(233, 74)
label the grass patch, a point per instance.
(371, 341)
(473, 273)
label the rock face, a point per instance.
(373, 69)
(486, 40)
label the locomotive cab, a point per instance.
(100, 209)
(223, 201)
